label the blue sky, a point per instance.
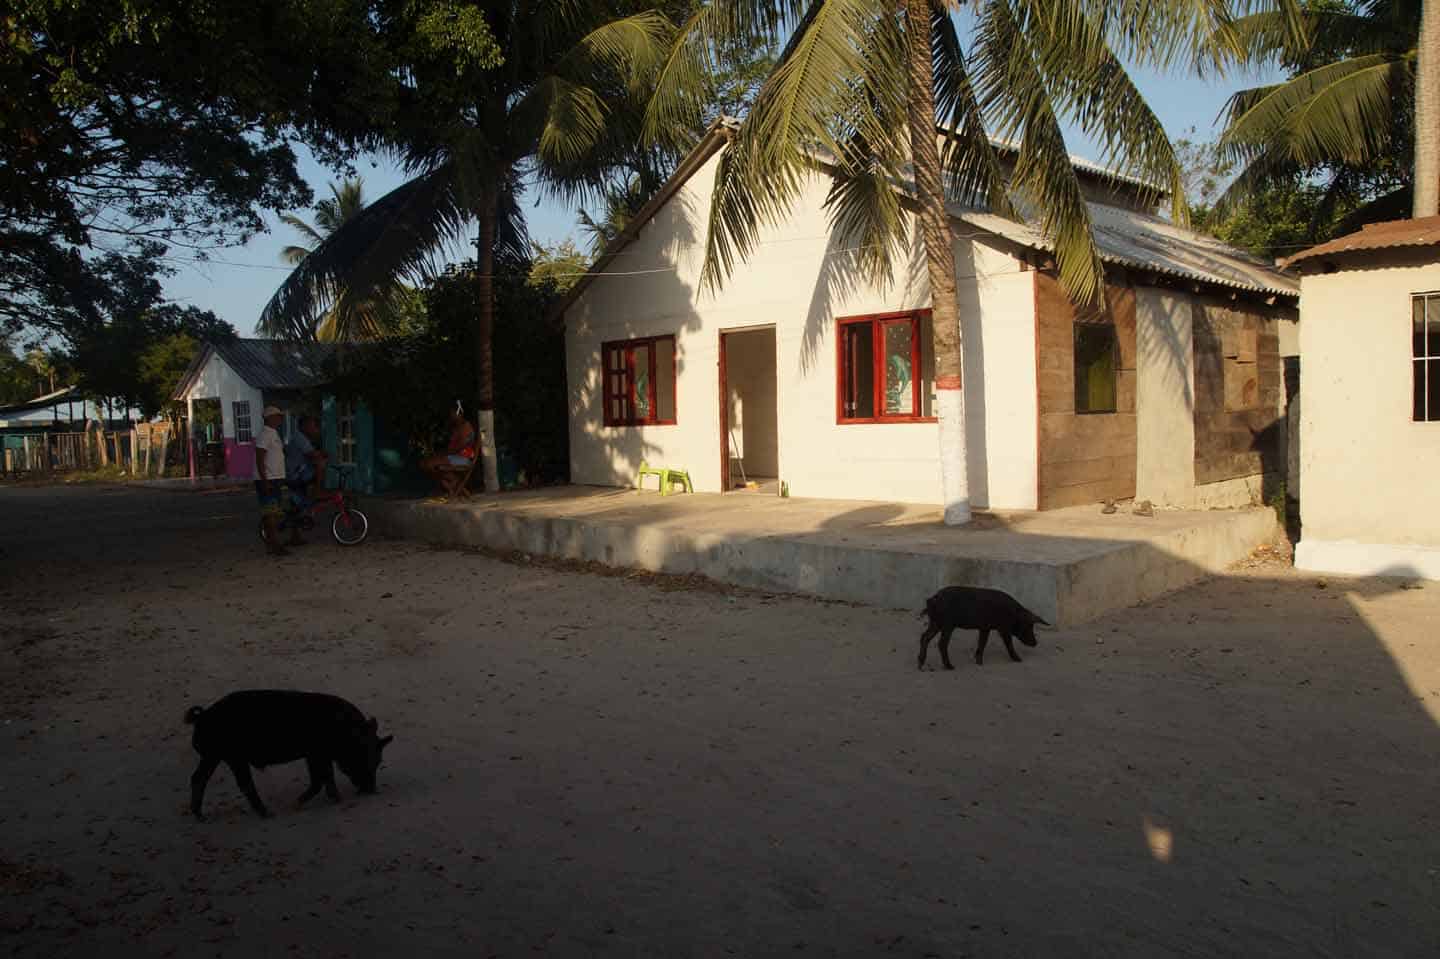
(237, 282)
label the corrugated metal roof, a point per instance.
(266, 364)
(1133, 239)
(1377, 236)
(276, 364)
(64, 394)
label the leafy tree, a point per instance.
(133, 128)
(413, 378)
(26, 377)
(159, 367)
(105, 351)
(858, 88)
(1344, 117)
(560, 266)
(1271, 221)
(471, 132)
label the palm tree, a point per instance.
(1427, 115)
(857, 91)
(472, 136)
(1349, 110)
(370, 320)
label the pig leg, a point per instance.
(198, 782)
(980, 647)
(1010, 646)
(925, 638)
(317, 779)
(241, 769)
(322, 774)
(945, 648)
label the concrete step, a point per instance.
(1068, 566)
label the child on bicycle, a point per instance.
(304, 462)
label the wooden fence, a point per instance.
(141, 451)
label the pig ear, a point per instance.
(386, 741)
(374, 724)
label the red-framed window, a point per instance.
(885, 372)
(639, 385)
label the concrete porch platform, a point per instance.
(1067, 565)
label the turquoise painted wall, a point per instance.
(384, 462)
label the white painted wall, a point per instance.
(218, 380)
(799, 281)
(1367, 470)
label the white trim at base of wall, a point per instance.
(1367, 559)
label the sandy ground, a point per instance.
(596, 766)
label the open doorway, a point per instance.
(207, 438)
(749, 411)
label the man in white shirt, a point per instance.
(270, 478)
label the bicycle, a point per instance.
(349, 526)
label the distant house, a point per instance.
(1370, 401)
(801, 371)
(65, 409)
(230, 383)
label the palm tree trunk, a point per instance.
(935, 232)
(484, 341)
(1427, 113)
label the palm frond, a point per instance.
(972, 170)
(389, 241)
(793, 118)
(1343, 111)
(863, 203)
(301, 227)
(1016, 98)
(1282, 32)
(629, 47)
(294, 254)
(1092, 87)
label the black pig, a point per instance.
(971, 607)
(265, 727)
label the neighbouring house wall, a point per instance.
(750, 377)
(1238, 419)
(800, 279)
(218, 381)
(1367, 469)
(362, 475)
(1084, 457)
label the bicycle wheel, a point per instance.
(350, 527)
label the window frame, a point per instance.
(345, 416)
(235, 406)
(1114, 368)
(1426, 360)
(608, 349)
(879, 321)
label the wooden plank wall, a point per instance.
(1083, 457)
(1237, 391)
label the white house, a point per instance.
(230, 382)
(1370, 401)
(799, 371)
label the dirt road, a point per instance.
(590, 766)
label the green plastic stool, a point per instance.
(665, 478)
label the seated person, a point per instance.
(304, 461)
(460, 453)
